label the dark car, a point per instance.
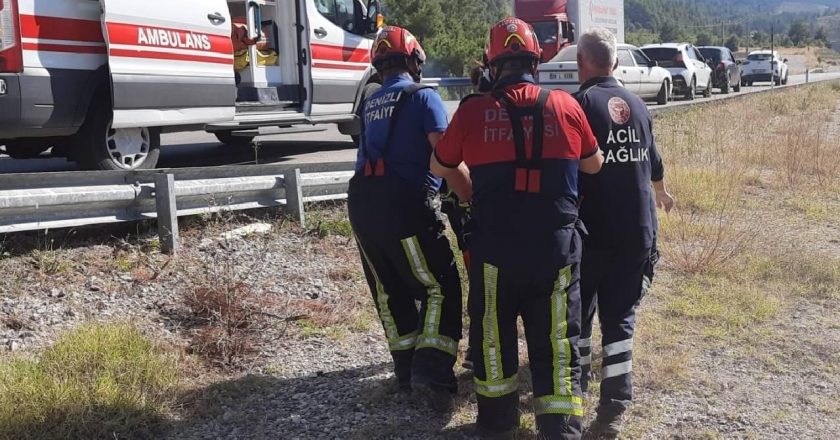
(727, 71)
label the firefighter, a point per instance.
(398, 225)
(523, 147)
(619, 210)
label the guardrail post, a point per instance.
(807, 76)
(167, 213)
(294, 195)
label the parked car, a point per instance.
(764, 65)
(727, 71)
(637, 72)
(687, 65)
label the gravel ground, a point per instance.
(327, 374)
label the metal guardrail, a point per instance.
(59, 200)
(40, 201)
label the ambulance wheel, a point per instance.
(227, 138)
(107, 148)
(26, 149)
(662, 98)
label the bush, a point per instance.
(97, 382)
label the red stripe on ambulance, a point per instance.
(320, 65)
(337, 53)
(66, 48)
(155, 55)
(156, 37)
(54, 28)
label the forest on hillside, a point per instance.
(453, 33)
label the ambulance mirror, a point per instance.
(374, 19)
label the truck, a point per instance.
(99, 80)
(556, 22)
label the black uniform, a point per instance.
(396, 218)
(619, 211)
(523, 146)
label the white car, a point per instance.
(636, 71)
(759, 65)
(687, 65)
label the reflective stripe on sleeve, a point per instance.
(497, 388)
(560, 344)
(618, 347)
(491, 345)
(616, 370)
(586, 360)
(584, 343)
(562, 404)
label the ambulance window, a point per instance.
(340, 12)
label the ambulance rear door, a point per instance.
(171, 62)
(339, 44)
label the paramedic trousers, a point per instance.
(538, 281)
(612, 282)
(407, 259)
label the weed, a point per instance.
(98, 381)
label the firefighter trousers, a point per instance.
(612, 283)
(407, 260)
(543, 288)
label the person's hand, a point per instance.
(665, 201)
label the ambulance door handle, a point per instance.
(320, 32)
(216, 18)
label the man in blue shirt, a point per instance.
(396, 218)
(618, 206)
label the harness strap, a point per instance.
(528, 171)
(377, 167)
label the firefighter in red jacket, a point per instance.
(524, 147)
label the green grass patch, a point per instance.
(97, 382)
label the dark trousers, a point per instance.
(611, 283)
(407, 259)
(509, 280)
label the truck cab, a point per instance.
(550, 21)
(99, 80)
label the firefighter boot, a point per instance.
(608, 423)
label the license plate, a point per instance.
(560, 76)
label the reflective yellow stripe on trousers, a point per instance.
(562, 401)
(395, 341)
(496, 384)
(430, 337)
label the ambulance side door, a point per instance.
(171, 61)
(340, 54)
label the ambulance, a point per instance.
(99, 80)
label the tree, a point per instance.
(732, 43)
(821, 37)
(669, 32)
(704, 39)
(799, 32)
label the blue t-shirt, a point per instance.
(408, 156)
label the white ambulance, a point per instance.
(98, 80)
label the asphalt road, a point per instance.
(201, 149)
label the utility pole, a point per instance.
(772, 51)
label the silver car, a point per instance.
(635, 70)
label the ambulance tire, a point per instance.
(227, 138)
(99, 142)
(368, 91)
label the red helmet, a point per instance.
(394, 41)
(512, 38)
